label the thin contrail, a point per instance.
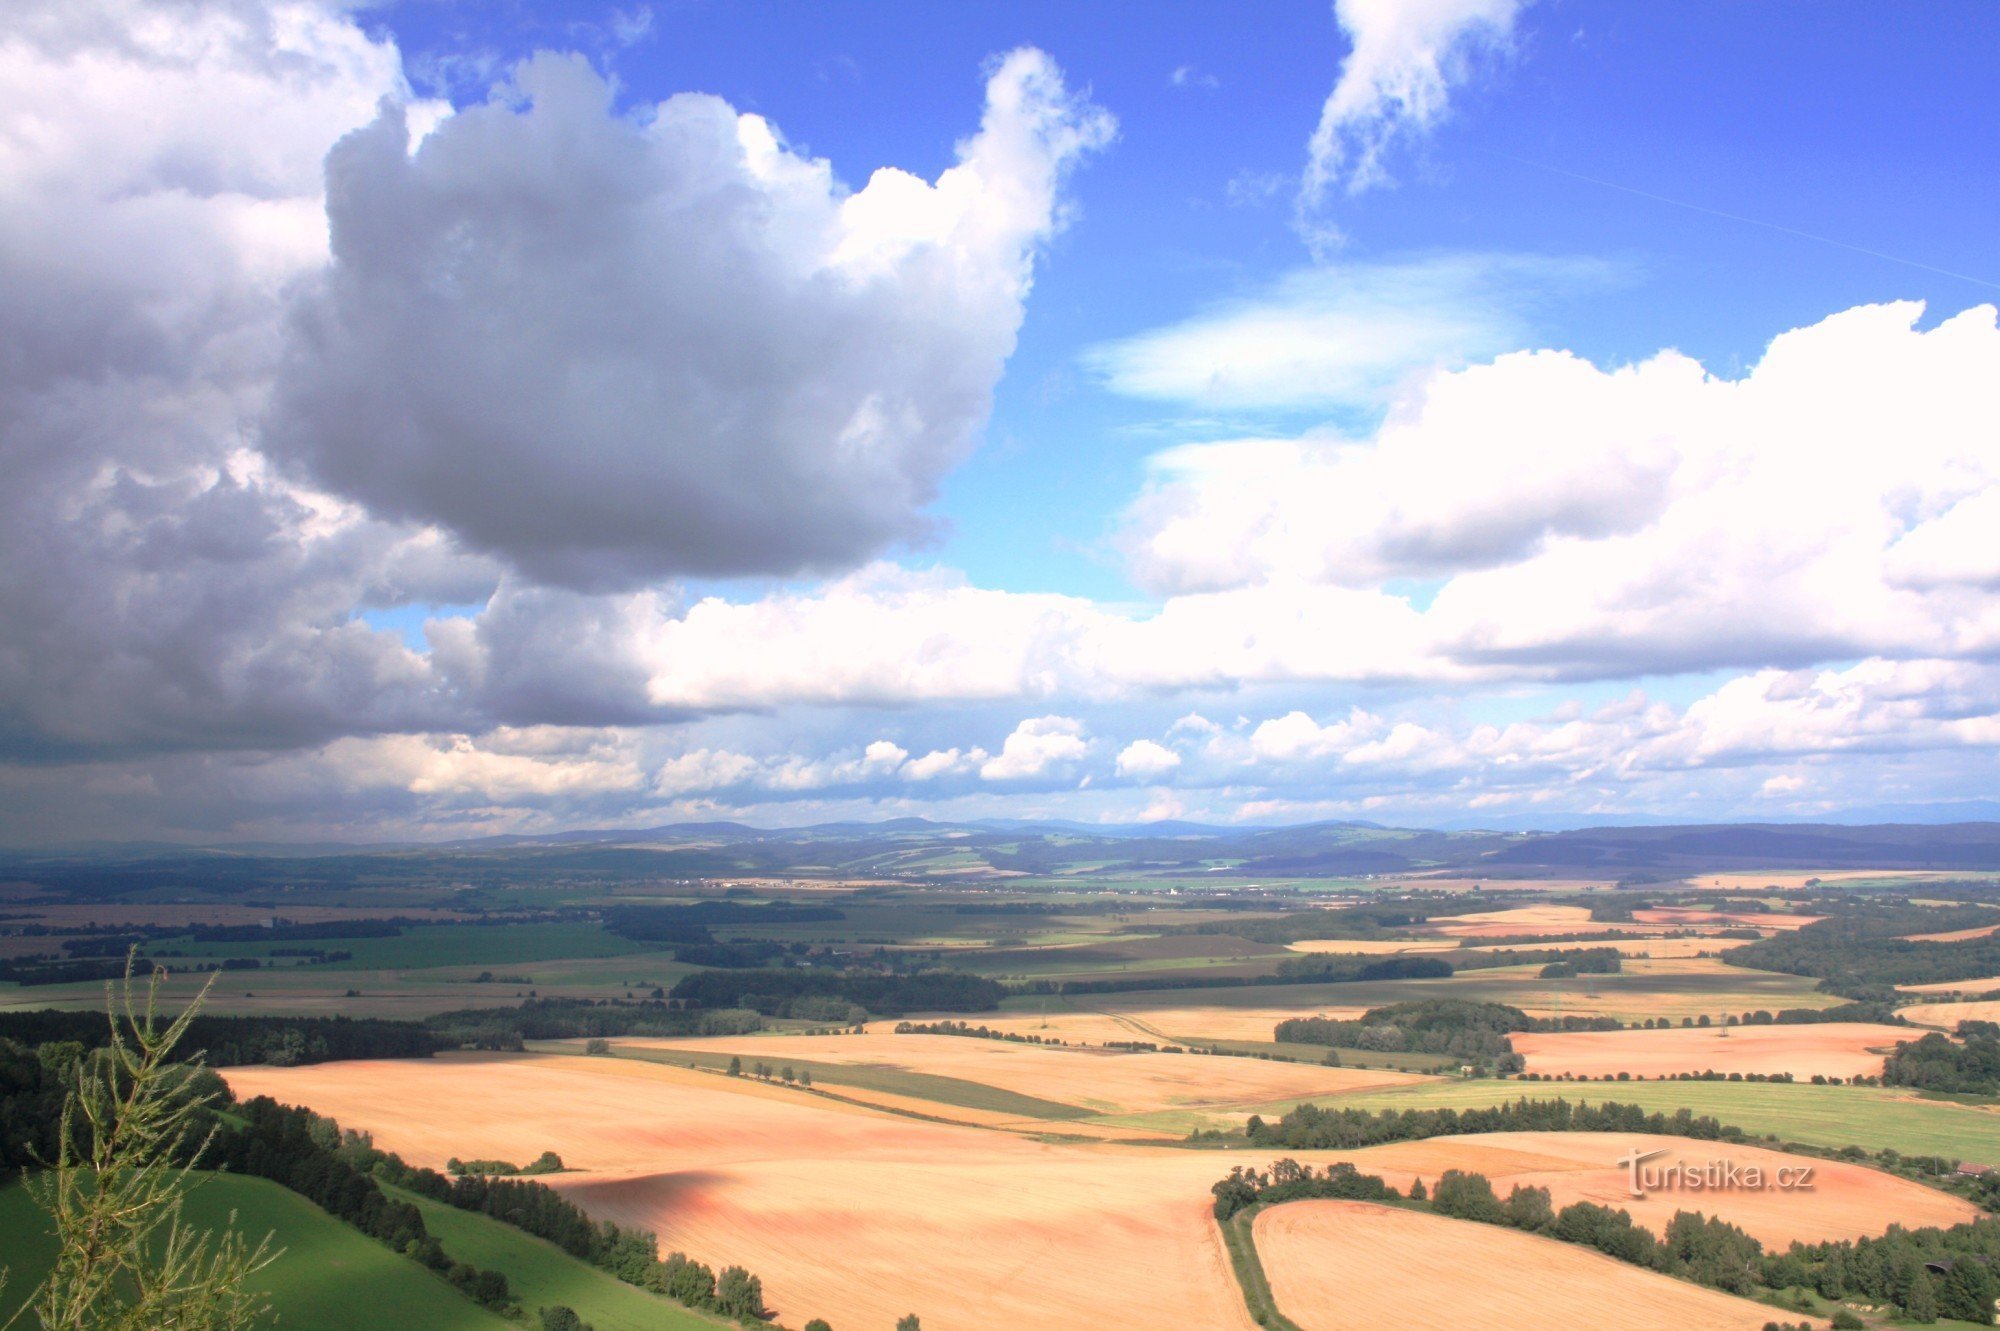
(1752, 221)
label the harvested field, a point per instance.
(1946, 1016)
(1659, 949)
(1831, 1049)
(1104, 1081)
(1845, 1201)
(860, 1217)
(846, 1214)
(1325, 1261)
(1370, 947)
(1523, 920)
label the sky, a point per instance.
(433, 419)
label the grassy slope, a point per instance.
(892, 1081)
(330, 1277)
(541, 1274)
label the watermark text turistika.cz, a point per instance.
(1710, 1175)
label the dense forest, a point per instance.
(234, 1041)
(1937, 1064)
(827, 995)
(1863, 953)
(1311, 1128)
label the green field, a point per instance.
(1867, 1116)
(865, 1077)
(430, 945)
(541, 1274)
(329, 1278)
(1642, 991)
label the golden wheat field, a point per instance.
(1830, 1049)
(1946, 1016)
(1327, 1264)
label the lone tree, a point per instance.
(909, 1323)
(131, 1133)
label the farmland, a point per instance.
(1825, 1049)
(697, 1054)
(1325, 1261)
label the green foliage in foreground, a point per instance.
(328, 1278)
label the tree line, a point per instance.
(1926, 1273)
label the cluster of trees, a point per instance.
(1290, 1181)
(1585, 961)
(234, 1041)
(1926, 1273)
(583, 1018)
(631, 1255)
(1468, 1031)
(1332, 968)
(1863, 953)
(548, 1162)
(331, 1169)
(766, 1072)
(816, 994)
(1311, 1128)
(1935, 1063)
(975, 1032)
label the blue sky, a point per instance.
(1204, 466)
(1846, 122)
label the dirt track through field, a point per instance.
(1830, 1049)
(1327, 1263)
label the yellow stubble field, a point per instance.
(1326, 1262)
(1831, 1049)
(1107, 1081)
(861, 1217)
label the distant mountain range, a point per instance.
(915, 849)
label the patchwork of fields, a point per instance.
(1050, 1179)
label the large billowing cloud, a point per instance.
(1583, 520)
(159, 194)
(713, 355)
(609, 347)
